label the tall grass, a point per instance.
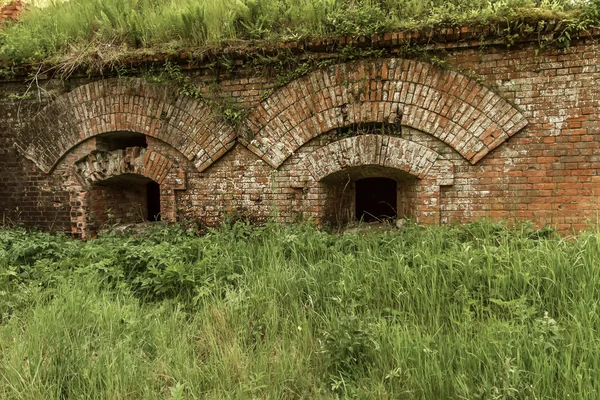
(74, 26)
(476, 311)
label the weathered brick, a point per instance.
(470, 152)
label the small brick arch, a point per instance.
(378, 156)
(125, 105)
(100, 166)
(450, 106)
(379, 150)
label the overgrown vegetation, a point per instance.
(221, 104)
(473, 311)
(79, 31)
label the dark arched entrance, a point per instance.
(376, 199)
(123, 199)
(368, 194)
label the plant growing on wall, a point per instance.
(88, 31)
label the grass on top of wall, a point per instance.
(477, 311)
(70, 31)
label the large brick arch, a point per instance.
(125, 105)
(452, 107)
(379, 150)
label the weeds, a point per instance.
(69, 33)
(222, 105)
(472, 311)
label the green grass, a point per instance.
(76, 29)
(476, 311)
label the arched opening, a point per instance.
(376, 199)
(123, 199)
(369, 194)
(341, 166)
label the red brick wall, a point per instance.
(11, 11)
(117, 203)
(546, 171)
(27, 195)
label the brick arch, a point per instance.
(125, 105)
(452, 107)
(379, 150)
(100, 165)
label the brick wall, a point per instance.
(27, 195)
(511, 134)
(11, 11)
(117, 202)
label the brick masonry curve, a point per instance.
(379, 150)
(134, 105)
(99, 166)
(452, 107)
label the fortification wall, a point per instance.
(505, 133)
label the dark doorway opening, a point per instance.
(123, 199)
(153, 197)
(376, 199)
